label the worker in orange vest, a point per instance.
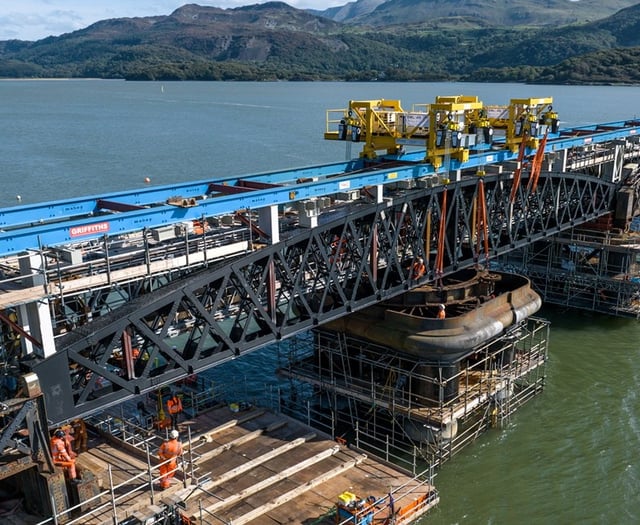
(61, 456)
(79, 435)
(441, 312)
(174, 407)
(69, 440)
(418, 269)
(169, 451)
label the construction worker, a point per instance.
(441, 312)
(69, 440)
(169, 451)
(418, 269)
(174, 407)
(79, 435)
(61, 456)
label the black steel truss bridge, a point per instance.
(352, 260)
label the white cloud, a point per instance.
(36, 19)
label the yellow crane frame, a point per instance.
(450, 117)
(447, 126)
(525, 118)
(378, 124)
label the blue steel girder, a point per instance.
(95, 225)
(339, 267)
(68, 209)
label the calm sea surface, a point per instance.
(571, 456)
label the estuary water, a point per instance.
(570, 456)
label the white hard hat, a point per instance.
(441, 307)
(174, 434)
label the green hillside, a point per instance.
(274, 41)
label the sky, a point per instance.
(36, 19)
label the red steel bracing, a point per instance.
(227, 189)
(254, 227)
(518, 171)
(128, 357)
(117, 206)
(374, 253)
(257, 185)
(16, 327)
(439, 267)
(482, 226)
(271, 291)
(536, 165)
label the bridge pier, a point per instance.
(269, 223)
(383, 375)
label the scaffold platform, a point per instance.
(241, 464)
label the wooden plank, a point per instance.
(231, 423)
(270, 481)
(205, 456)
(258, 461)
(292, 494)
(228, 446)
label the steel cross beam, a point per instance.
(345, 265)
(24, 432)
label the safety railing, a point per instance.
(388, 508)
(200, 393)
(116, 494)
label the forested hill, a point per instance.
(275, 41)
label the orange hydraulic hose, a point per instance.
(439, 268)
(537, 165)
(481, 223)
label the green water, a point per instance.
(571, 454)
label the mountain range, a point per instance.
(554, 41)
(379, 13)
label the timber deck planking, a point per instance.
(250, 470)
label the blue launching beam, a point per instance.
(75, 220)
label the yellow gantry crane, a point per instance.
(450, 127)
(450, 121)
(530, 118)
(375, 123)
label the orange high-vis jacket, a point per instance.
(170, 449)
(418, 270)
(59, 450)
(174, 405)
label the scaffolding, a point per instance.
(120, 471)
(401, 408)
(584, 268)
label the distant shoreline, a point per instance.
(8, 79)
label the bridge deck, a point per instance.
(253, 467)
